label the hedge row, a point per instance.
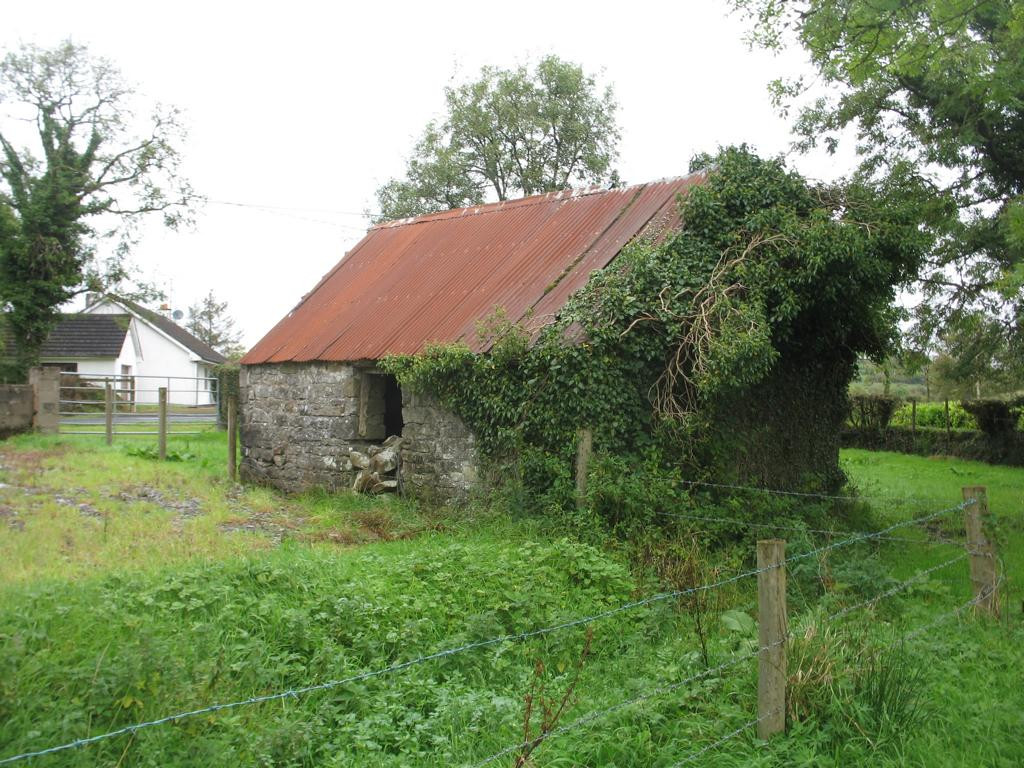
(964, 444)
(934, 415)
(995, 416)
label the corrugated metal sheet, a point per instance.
(432, 278)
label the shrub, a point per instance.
(872, 411)
(995, 417)
(631, 493)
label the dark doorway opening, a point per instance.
(393, 422)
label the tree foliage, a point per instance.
(509, 133)
(937, 85)
(771, 279)
(90, 169)
(209, 321)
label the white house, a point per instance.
(139, 349)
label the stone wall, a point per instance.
(299, 421)
(439, 456)
(16, 408)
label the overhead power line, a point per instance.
(297, 209)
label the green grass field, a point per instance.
(171, 589)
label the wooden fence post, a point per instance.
(913, 416)
(162, 429)
(949, 434)
(771, 637)
(584, 447)
(232, 439)
(108, 412)
(984, 575)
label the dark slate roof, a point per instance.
(175, 331)
(78, 336)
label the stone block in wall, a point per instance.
(349, 387)
(344, 428)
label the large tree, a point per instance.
(511, 132)
(209, 321)
(937, 85)
(77, 166)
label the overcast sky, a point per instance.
(306, 108)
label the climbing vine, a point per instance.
(725, 349)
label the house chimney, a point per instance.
(92, 298)
(165, 310)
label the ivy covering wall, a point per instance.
(227, 376)
(724, 351)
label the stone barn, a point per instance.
(312, 398)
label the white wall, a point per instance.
(162, 362)
(96, 367)
(110, 368)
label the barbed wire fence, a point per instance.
(983, 592)
(986, 580)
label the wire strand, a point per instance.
(876, 534)
(798, 529)
(285, 214)
(949, 614)
(598, 714)
(295, 692)
(806, 494)
(297, 209)
(909, 636)
(896, 589)
(668, 688)
(731, 735)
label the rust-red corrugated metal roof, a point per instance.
(432, 278)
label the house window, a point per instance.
(68, 367)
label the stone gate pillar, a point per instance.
(45, 381)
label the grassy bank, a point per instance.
(131, 623)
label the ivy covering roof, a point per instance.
(432, 278)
